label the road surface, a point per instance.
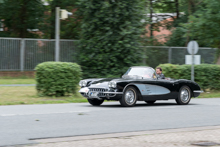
(21, 124)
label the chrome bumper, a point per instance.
(198, 91)
(85, 92)
(113, 92)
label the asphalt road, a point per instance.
(21, 124)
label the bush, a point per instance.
(57, 78)
(206, 75)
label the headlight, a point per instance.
(112, 84)
(82, 83)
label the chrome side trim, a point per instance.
(149, 89)
(113, 92)
(127, 86)
(198, 91)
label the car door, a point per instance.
(165, 89)
(148, 89)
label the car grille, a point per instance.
(100, 90)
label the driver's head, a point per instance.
(158, 70)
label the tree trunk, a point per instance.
(23, 15)
(189, 13)
(151, 18)
(52, 23)
(177, 8)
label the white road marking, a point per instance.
(7, 114)
(95, 110)
(43, 113)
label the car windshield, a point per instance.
(144, 72)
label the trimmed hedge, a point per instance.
(206, 75)
(57, 78)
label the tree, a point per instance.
(158, 10)
(180, 35)
(110, 34)
(69, 28)
(204, 25)
(19, 16)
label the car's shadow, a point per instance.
(157, 104)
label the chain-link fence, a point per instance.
(18, 54)
(155, 55)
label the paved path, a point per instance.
(185, 137)
(15, 85)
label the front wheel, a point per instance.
(184, 96)
(129, 97)
(95, 102)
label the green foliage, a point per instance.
(204, 25)
(181, 35)
(69, 28)
(110, 36)
(57, 78)
(177, 37)
(206, 75)
(18, 16)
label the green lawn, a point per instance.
(17, 81)
(210, 94)
(28, 95)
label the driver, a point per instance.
(159, 73)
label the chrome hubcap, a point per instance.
(184, 95)
(129, 97)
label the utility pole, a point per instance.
(57, 34)
(64, 15)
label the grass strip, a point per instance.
(28, 95)
(210, 94)
(17, 81)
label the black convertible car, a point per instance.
(139, 83)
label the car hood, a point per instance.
(102, 83)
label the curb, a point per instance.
(116, 135)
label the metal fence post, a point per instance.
(169, 55)
(22, 49)
(144, 55)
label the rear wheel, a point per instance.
(95, 102)
(150, 102)
(129, 97)
(184, 96)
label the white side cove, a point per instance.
(148, 89)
